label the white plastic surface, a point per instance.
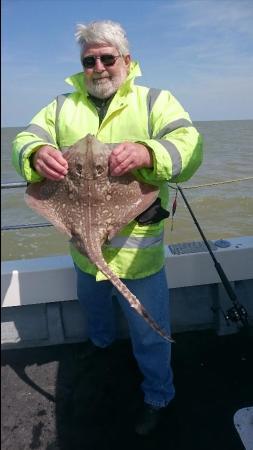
(243, 421)
(53, 279)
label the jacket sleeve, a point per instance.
(175, 143)
(40, 131)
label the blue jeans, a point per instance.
(151, 351)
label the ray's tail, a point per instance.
(128, 295)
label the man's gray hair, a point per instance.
(102, 32)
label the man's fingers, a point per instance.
(50, 163)
(123, 167)
(128, 156)
(120, 156)
(57, 155)
(49, 172)
(118, 149)
(55, 163)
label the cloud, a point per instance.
(201, 50)
(220, 15)
(205, 54)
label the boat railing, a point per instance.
(14, 185)
(24, 184)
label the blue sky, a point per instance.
(200, 50)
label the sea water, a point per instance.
(223, 210)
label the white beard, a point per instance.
(104, 86)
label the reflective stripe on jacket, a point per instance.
(136, 113)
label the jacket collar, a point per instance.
(77, 80)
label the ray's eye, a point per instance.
(78, 169)
(99, 170)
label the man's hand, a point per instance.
(128, 156)
(50, 163)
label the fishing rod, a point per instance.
(14, 184)
(237, 312)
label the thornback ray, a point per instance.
(91, 207)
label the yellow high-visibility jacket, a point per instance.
(136, 113)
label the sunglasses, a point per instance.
(107, 60)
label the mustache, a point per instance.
(100, 77)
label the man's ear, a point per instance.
(127, 59)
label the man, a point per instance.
(157, 141)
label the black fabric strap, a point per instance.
(155, 213)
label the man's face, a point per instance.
(102, 81)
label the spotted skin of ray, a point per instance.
(91, 207)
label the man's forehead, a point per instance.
(97, 48)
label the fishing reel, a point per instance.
(235, 314)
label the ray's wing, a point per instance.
(51, 199)
(61, 201)
(127, 199)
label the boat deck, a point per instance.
(61, 398)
